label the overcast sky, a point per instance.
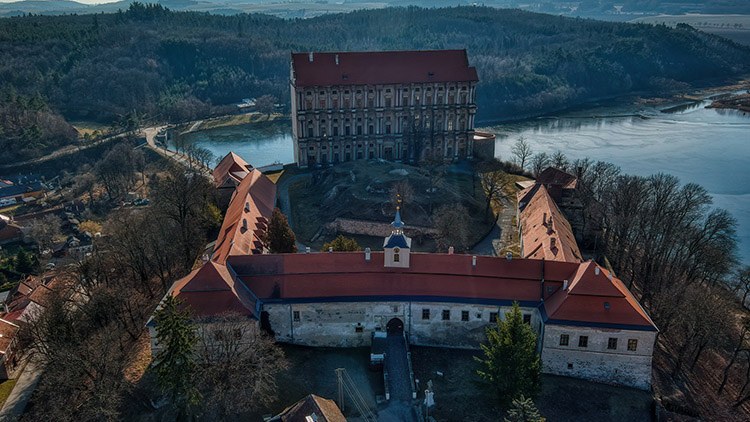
(79, 1)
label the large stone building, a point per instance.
(394, 105)
(587, 322)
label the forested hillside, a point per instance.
(176, 65)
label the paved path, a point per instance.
(400, 407)
(285, 205)
(495, 241)
(21, 393)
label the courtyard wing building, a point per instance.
(393, 105)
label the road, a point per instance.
(495, 241)
(21, 393)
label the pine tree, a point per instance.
(511, 364)
(279, 237)
(342, 244)
(523, 410)
(174, 364)
(25, 262)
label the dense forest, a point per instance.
(166, 65)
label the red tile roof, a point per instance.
(382, 67)
(8, 330)
(545, 233)
(249, 211)
(231, 166)
(212, 290)
(325, 410)
(596, 299)
(348, 276)
(554, 176)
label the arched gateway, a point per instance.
(395, 327)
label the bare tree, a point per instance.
(45, 231)
(560, 161)
(495, 183)
(266, 104)
(451, 222)
(522, 150)
(238, 366)
(539, 162)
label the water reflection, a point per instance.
(710, 147)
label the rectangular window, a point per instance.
(564, 339)
(446, 314)
(464, 315)
(527, 318)
(359, 329)
(583, 341)
(425, 314)
(371, 129)
(493, 316)
(295, 315)
(359, 130)
(632, 344)
(612, 343)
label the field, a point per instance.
(733, 27)
(241, 119)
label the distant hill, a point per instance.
(182, 65)
(617, 10)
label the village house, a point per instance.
(9, 231)
(392, 105)
(311, 409)
(587, 322)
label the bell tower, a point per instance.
(397, 246)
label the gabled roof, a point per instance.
(14, 190)
(545, 232)
(382, 67)
(212, 290)
(554, 176)
(325, 410)
(596, 299)
(248, 213)
(231, 166)
(8, 330)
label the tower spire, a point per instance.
(397, 223)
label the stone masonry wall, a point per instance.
(596, 361)
(351, 324)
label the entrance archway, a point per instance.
(395, 327)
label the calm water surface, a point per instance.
(704, 146)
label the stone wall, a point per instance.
(351, 324)
(596, 361)
(373, 228)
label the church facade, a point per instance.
(393, 105)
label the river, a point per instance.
(705, 146)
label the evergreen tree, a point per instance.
(25, 262)
(175, 365)
(523, 410)
(342, 244)
(279, 237)
(511, 364)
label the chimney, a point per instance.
(610, 276)
(550, 229)
(244, 224)
(474, 261)
(565, 285)
(367, 254)
(596, 270)
(204, 258)
(311, 57)
(247, 207)
(508, 256)
(337, 60)
(552, 243)
(450, 250)
(307, 249)
(330, 249)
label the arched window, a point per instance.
(396, 254)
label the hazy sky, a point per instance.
(79, 1)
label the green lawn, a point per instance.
(5, 389)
